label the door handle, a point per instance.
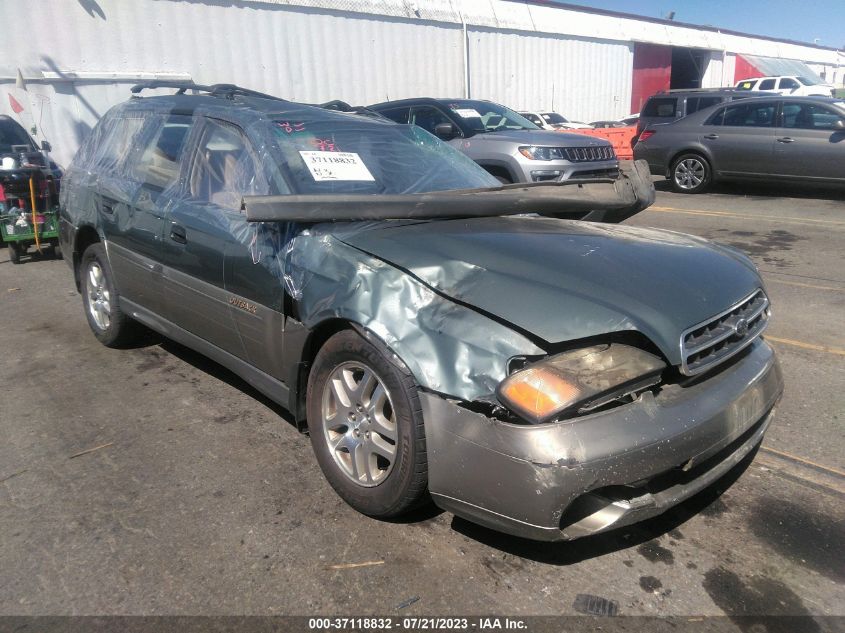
(786, 139)
(178, 234)
(711, 137)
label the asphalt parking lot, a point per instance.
(151, 481)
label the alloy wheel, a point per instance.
(99, 297)
(359, 423)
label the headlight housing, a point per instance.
(578, 380)
(532, 152)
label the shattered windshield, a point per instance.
(483, 116)
(329, 156)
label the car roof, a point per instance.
(236, 105)
(420, 100)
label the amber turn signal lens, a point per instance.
(537, 393)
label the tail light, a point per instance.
(646, 134)
(2, 194)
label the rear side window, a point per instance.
(12, 134)
(699, 103)
(661, 107)
(158, 165)
(118, 139)
(767, 84)
(744, 114)
(745, 85)
(533, 118)
(400, 115)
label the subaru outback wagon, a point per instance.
(443, 337)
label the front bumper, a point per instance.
(571, 479)
(560, 170)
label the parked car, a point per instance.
(776, 139)
(794, 85)
(627, 121)
(506, 144)
(554, 121)
(537, 374)
(665, 107)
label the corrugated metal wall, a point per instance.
(582, 79)
(79, 57)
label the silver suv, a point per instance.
(506, 144)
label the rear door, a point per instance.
(807, 144)
(133, 200)
(740, 138)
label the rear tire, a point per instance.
(691, 173)
(101, 300)
(366, 426)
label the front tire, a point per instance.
(101, 300)
(366, 426)
(14, 253)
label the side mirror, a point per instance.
(839, 125)
(45, 145)
(445, 131)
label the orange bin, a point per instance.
(620, 137)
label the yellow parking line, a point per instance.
(729, 214)
(803, 285)
(817, 348)
(829, 469)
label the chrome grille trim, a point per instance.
(705, 345)
(589, 154)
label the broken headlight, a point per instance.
(579, 380)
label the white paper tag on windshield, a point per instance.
(467, 113)
(336, 166)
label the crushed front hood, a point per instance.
(561, 280)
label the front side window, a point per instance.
(428, 117)
(810, 116)
(225, 168)
(159, 162)
(745, 114)
(533, 118)
(788, 84)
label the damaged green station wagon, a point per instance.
(508, 351)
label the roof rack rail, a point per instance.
(341, 106)
(228, 91)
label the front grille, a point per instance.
(717, 339)
(587, 154)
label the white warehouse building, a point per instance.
(77, 58)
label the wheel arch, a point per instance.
(498, 168)
(691, 149)
(314, 341)
(86, 235)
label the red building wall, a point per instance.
(744, 69)
(652, 72)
